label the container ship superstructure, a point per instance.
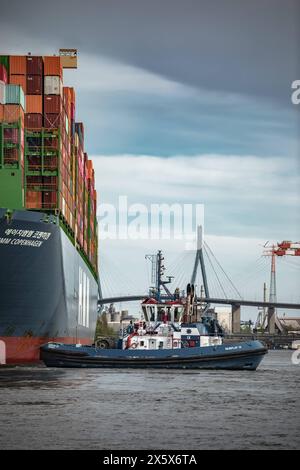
(48, 226)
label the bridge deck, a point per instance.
(250, 303)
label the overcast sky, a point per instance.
(185, 101)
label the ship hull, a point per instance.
(47, 290)
(240, 356)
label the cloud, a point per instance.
(250, 47)
(103, 74)
(241, 180)
(129, 109)
(106, 75)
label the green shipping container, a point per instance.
(14, 94)
(4, 60)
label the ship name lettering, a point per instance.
(28, 233)
(19, 232)
(33, 243)
(5, 241)
(43, 235)
(229, 348)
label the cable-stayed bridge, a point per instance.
(200, 268)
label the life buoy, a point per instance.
(133, 346)
(128, 342)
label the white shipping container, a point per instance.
(2, 92)
(52, 85)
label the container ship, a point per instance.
(48, 227)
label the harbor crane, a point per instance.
(285, 248)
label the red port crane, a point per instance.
(280, 249)
(285, 248)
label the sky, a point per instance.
(185, 102)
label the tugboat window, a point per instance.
(160, 314)
(145, 313)
(169, 313)
(152, 318)
(176, 314)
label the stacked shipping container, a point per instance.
(39, 136)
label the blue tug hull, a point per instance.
(237, 356)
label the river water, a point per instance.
(44, 408)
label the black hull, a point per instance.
(243, 359)
(47, 290)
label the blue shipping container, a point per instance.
(14, 94)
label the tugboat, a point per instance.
(171, 334)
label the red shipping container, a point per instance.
(33, 199)
(34, 85)
(18, 80)
(11, 135)
(10, 155)
(17, 64)
(72, 112)
(51, 143)
(50, 199)
(52, 120)
(50, 162)
(52, 104)
(33, 121)
(34, 65)
(3, 74)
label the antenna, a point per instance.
(152, 258)
(157, 271)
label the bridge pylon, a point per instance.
(199, 261)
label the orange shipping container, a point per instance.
(12, 113)
(72, 95)
(18, 80)
(89, 169)
(34, 104)
(52, 66)
(17, 64)
(66, 91)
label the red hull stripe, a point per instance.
(20, 349)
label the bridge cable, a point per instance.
(219, 282)
(219, 264)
